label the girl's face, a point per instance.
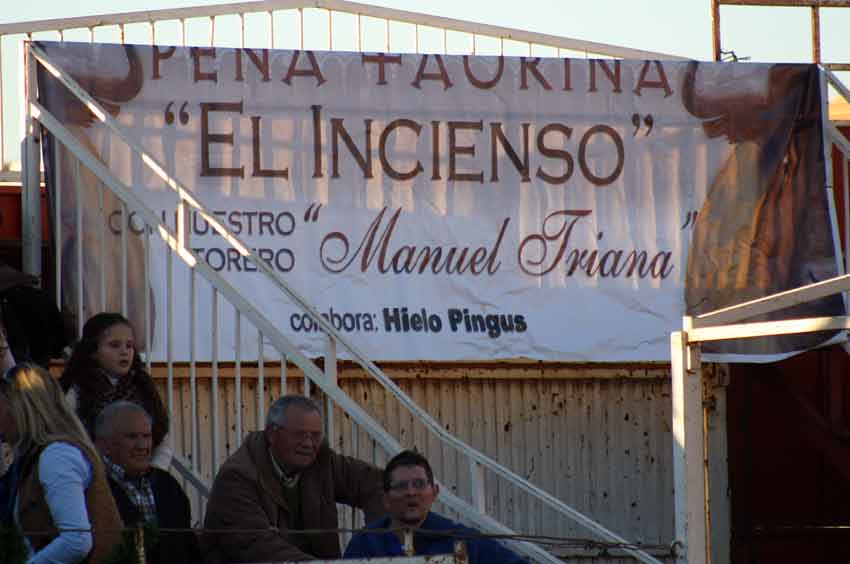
(115, 350)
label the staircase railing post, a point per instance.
(476, 477)
(331, 374)
(31, 175)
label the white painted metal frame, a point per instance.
(326, 381)
(690, 480)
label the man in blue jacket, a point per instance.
(409, 491)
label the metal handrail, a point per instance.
(390, 14)
(310, 369)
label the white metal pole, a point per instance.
(827, 159)
(331, 375)
(261, 383)
(237, 330)
(31, 177)
(216, 408)
(688, 438)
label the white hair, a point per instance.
(277, 412)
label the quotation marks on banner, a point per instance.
(647, 121)
(690, 219)
(312, 214)
(169, 115)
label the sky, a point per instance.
(681, 27)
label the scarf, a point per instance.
(137, 386)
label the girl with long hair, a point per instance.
(62, 503)
(105, 367)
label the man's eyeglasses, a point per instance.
(401, 485)
(312, 436)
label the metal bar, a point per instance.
(788, 3)
(828, 171)
(330, 31)
(183, 467)
(331, 378)
(836, 83)
(845, 159)
(284, 367)
(79, 247)
(343, 6)
(715, 29)
(169, 327)
(261, 382)
(147, 301)
(2, 123)
(300, 28)
(58, 186)
(271, 29)
(688, 470)
(765, 328)
(355, 443)
(238, 375)
(193, 376)
(837, 138)
(216, 422)
(773, 302)
(476, 479)
(125, 222)
(31, 175)
(101, 243)
(358, 36)
(815, 34)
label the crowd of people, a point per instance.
(86, 457)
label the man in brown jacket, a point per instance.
(283, 480)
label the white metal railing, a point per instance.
(690, 449)
(178, 241)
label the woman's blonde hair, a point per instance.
(40, 411)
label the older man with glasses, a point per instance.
(409, 492)
(283, 480)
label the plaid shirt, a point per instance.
(137, 489)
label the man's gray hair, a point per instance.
(105, 422)
(277, 412)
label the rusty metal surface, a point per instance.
(788, 3)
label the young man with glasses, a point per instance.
(409, 492)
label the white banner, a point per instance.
(442, 207)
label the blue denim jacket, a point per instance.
(367, 544)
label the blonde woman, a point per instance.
(63, 504)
